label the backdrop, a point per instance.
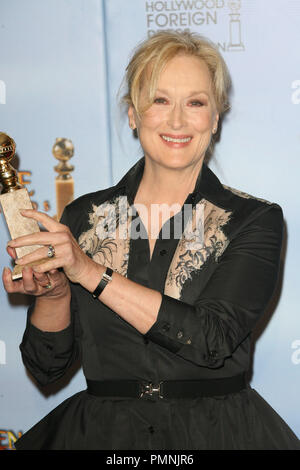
(62, 64)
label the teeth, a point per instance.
(170, 139)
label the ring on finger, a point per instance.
(49, 285)
(51, 251)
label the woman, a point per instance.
(160, 309)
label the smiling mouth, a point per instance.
(176, 140)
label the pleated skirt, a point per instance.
(239, 421)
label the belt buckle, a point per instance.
(150, 389)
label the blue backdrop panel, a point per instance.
(62, 64)
(53, 66)
(259, 147)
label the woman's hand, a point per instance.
(68, 254)
(51, 285)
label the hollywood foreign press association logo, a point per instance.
(191, 15)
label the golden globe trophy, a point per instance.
(63, 150)
(13, 198)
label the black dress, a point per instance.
(214, 292)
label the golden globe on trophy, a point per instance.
(13, 198)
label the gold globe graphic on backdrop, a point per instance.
(63, 149)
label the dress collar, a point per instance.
(207, 184)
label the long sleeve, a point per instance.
(47, 355)
(233, 300)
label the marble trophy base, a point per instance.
(18, 225)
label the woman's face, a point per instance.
(176, 130)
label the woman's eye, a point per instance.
(196, 103)
(160, 100)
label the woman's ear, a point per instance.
(132, 118)
(215, 123)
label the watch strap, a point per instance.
(106, 278)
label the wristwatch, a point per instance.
(106, 278)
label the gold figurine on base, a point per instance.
(14, 198)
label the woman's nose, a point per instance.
(176, 117)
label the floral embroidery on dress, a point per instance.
(107, 241)
(188, 258)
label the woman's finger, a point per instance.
(30, 285)
(48, 266)
(10, 285)
(55, 273)
(48, 222)
(54, 229)
(41, 278)
(40, 253)
(41, 263)
(39, 238)
(11, 251)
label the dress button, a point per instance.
(189, 341)
(180, 334)
(213, 354)
(165, 327)
(163, 252)
(151, 429)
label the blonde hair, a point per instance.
(155, 53)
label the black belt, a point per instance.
(168, 388)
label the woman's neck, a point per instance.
(164, 185)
